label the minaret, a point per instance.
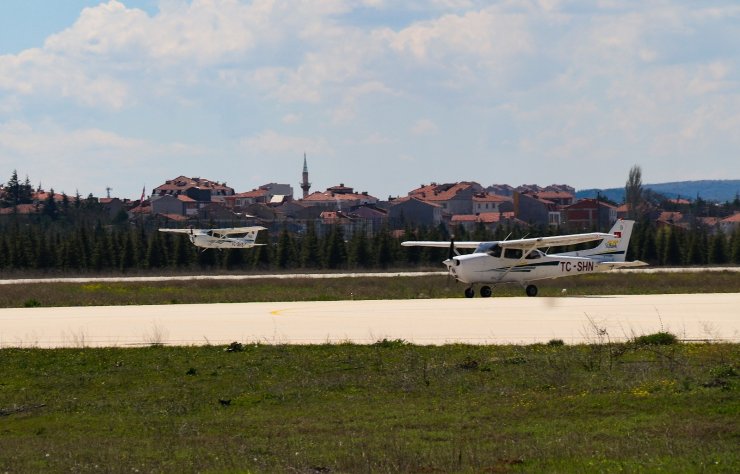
(305, 185)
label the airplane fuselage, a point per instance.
(483, 268)
(210, 242)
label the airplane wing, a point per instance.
(554, 241)
(180, 231)
(439, 244)
(236, 230)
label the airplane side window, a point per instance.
(534, 254)
(513, 253)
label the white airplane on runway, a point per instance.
(231, 238)
(521, 261)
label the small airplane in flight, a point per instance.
(521, 260)
(230, 238)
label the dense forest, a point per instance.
(90, 243)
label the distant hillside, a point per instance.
(711, 190)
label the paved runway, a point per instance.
(522, 320)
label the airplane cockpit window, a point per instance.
(491, 248)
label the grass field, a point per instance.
(388, 407)
(306, 289)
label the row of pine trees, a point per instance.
(48, 246)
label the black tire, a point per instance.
(469, 292)
(531, 290)
(485, 291)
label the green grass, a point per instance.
(388, 407)
(305, 289)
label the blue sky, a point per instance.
(382, 95)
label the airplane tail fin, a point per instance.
(613, 249)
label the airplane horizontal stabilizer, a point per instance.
(612, 265)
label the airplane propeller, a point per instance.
(450, 256)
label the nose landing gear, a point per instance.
(531, 290)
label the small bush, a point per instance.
(391, 343)
(555, 342)
(658, 339)
(723, 371)
(468, 364)
(32, 303)
(235, 347)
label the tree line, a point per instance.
(44, 245)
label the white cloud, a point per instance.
(50, 141)
(424, 127)
(273, 143)
(566, 79)
(485, 35)
(86, 159)
(354, 95)
(291, 118)
(204, 31)
(37, 73)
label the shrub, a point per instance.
(468, 364)
(658, 339)
(391, 343)
(235, 347)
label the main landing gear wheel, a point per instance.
(531, 290)
(469, 292)
(485, 291)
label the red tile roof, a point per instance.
(329, 196)
(174, 217)
(679, 201)
(484, 217)
(735, 218)
(486, 197)
(43, 196)
(670, 216)
(20, 209)
(552, 195)
(441, 192)
(255, 193)
(182, 183)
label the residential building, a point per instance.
(413, 211)
(588, 214)
(338, 198)
(454, 198)
(198, 189)
(730, 224)
(536, 211)
(192, 194)
(501, 190)
(484, 202)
